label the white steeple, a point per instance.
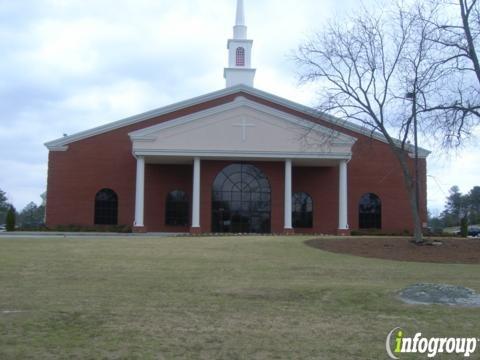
(240, 13)
(240, 30)
(239, 69)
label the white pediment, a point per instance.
(244, 128)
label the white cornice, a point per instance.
(245, 41)
(58, 148)
(62, 142)
(240, 69)
(243, 154)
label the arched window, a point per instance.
(240, 56)
(106, 207)
(241, 200)
(302, 210)
(370, 212)
(177, 209)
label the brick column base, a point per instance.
(195, 230)
(139, 229)
(344, 232)
(289, 232)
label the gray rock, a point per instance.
(442, 294)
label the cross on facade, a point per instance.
(244, 125)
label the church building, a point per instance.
(238, 160)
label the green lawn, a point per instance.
(211, 298)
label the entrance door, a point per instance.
(241, 200)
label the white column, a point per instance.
(343, 197)
(196, 194)
(288, 195)
(140, 192)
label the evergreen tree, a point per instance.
(3, 198)
(459, 206)
(11, 218)
(474, 205)
(4, 206)
(27, 215)
(32, 215)
(455, 208)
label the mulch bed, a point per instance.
(453, 251)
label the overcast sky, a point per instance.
(69, 65)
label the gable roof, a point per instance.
(61, 144)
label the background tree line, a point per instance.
(459, 206)
(31, 216)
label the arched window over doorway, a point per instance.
(370, 212)
(177, 209)
(302, 210)
(241, 200)
(240, 58)
(106, 207)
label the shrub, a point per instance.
(94, 228)
(10, 219)
(33, 227)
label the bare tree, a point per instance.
(377, 70)
(459, 35)
(454, 27)
(470, 14)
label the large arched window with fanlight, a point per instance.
(370, 212)
(106, 207)
(177, 209)
(241, 200)
(240, 56)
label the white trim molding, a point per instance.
(58, 148)
(242, 154)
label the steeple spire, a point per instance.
(240, 13)
(239, 69)
(240, 30)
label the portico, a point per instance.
(196, 164)
(242, 132)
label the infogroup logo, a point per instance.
(397, 343)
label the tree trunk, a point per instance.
(412, 195)
(418, 232)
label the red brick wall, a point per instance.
(106, 161)
(160, 180)
(322, 185)
(375, 169)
